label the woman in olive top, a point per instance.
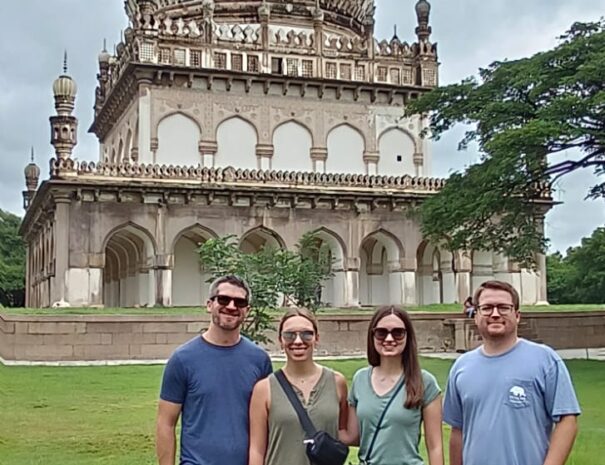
(276, 436)
(393, 358)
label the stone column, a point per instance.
(208, 149)
(463, 271)
(352, 281)
(541, 271)
(264, 155)
(61, 234)
(319, 155)
(371, 160)
(163, 280)
(402, 282)
(144, 153)
(418, 164)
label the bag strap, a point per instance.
(379, 424)
(303, 417)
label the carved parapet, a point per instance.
(63, 166)
(242, 176)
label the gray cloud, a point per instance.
(470, 33)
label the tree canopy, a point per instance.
(12, 261)
(520, 114)
(579, 276)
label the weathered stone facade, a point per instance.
(264, 119)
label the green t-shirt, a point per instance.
(399, 436)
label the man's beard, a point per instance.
(216, 319)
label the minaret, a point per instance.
(32, 176)
(423, 12)
(64, 125)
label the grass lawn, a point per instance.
(437, 308)
(105, 415)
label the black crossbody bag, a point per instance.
(321, 448)
(366, 460)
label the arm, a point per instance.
(456, 447)
(168, 416)
(343, 411)
(259, 416)
(350, 436)
(561, 440)
(433, 436)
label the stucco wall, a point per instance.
(94, 338)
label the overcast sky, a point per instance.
(470, 33)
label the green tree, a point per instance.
(272, 274)
(559, 274)
(520, 113)
(12, 261)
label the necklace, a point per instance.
(302, 379)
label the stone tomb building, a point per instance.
(263, 119)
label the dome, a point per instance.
(32, 171)
(345, 13)
(423, 10)
(65, 86)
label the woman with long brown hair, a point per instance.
(390, 399)
(276, 435)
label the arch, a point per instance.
(257, 238)
(408, 133)
(178, 140)
(189, 279)
(380, 255)
(128, 277)
(346, 147)
(120, 151)
(236, 139)
(292, 142)
(435, 279)
(333, 291)
(396, 148)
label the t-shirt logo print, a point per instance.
(517, 396)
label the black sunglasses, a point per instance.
(225, 300)
(305, 336)
(397, 333)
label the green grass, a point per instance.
(105, 415)
(178, 311)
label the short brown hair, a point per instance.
(498, 286)
(409, 358)
(298, 311)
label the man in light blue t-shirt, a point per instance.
(208, 383)
(510, 401)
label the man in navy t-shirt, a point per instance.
(510, 401)
(208, 382)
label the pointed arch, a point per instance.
(396, 147)
(189, 279)
(236, 138)
(346, 147)
(257, 238)
(179, 135)
(292, 142)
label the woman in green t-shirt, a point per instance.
(391, 398)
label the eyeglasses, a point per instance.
(397, 333)
(225, 300)
(305, 336)
(488, 309)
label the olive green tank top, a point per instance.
(285, 442)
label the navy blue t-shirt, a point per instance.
(214, 385)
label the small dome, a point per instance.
(423, 9)
(104, 56)
(65, 86)
(32, 171)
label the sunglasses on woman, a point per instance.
(305, 336)
(396, 333)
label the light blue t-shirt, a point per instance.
(506, 405)
(214, 385)
(399, 435)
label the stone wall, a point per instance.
(130, 338)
